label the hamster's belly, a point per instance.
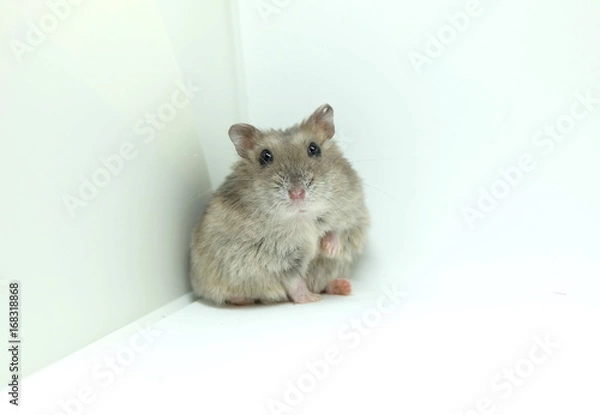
(247, 264)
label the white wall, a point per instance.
(424, 137)
(75, 96)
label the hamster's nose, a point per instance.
(297, 193)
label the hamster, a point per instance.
(287, 221)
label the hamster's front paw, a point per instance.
(330, 244)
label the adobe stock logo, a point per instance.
(351, 334)
(268, 8)
(448, 33)
(146, 127)
(548, 139)
(37, 31)
(516, 375)
(110, 369)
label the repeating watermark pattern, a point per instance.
(545, 140)
(37, 31)
(515, 376)
(107, 371)
(146, 127)
(269, 8)
(366, 11)
(595, 69)
(436, 43)
(350, 335)
(14, 341)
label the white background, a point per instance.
(425, 139)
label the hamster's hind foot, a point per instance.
(339, 286)
(330, 244)
(299, 293)
(307, 297)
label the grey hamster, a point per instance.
(286, 223)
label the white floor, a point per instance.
(372, 351)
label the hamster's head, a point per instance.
(294, 172)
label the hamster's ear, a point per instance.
(244, 137)
(322, 121)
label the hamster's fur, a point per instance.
(286, 223)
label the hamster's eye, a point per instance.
(265, 157)
(314, 150)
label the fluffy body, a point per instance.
(255, 243)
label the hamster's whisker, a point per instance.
(383, 192)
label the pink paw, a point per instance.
(330, 244)
(339, 286)
(308, 297)
(240, 301)
(300, 294)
